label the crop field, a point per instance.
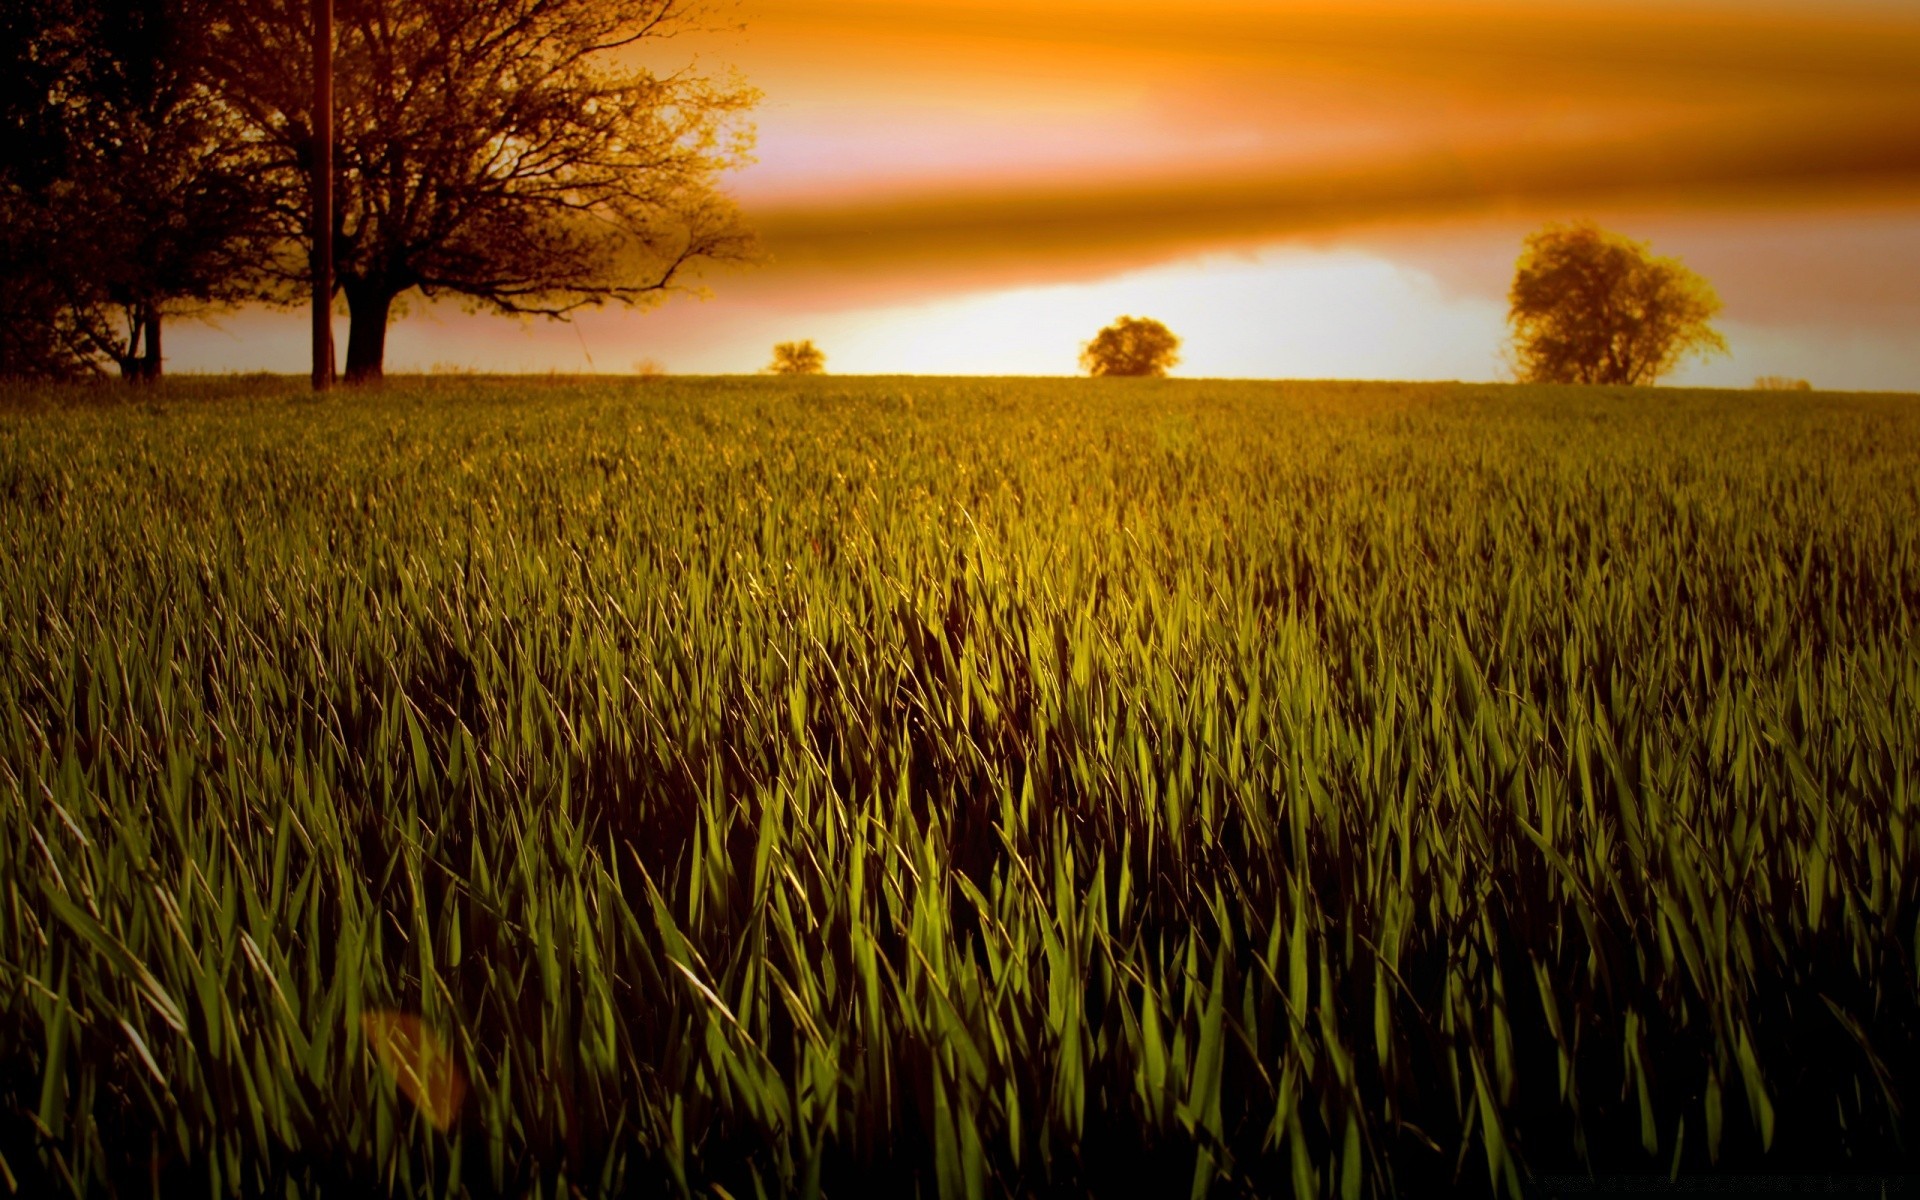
(955, 788)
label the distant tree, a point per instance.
(512, 152)
(1131, 346)
(1781, 383)
(798, 358)
(131, 192)
(1588, 306)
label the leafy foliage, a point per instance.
(986, 788)
(516, 153)
(131, 192)
(798, 358)
(1131, 346)
(1588, 306)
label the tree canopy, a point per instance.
(525, 155)
(1588, 306)
(798, 358)
(130, 191)
(515, 153)
(1131, 346)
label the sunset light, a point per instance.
(959, 599)
(916, 161)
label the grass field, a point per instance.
(963, 787)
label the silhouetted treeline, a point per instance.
(157, 158)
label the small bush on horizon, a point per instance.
(798, 358)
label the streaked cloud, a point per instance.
(1095, 132)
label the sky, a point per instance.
(1298, 189)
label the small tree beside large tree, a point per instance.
(1588, 306)
(510, 152)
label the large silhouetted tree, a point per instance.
(34, 340)
(1590, 306)
(1131, 346)
(131, 192)
(512, 152)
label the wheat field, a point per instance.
(954, 787)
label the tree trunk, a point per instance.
(138, 365)
(367, 308)
(150, 363)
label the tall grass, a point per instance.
(956, 787)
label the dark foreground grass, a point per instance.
(964, 788)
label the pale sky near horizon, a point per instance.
(1298, 189)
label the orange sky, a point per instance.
(926, 157)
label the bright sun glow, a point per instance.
(1278, 313)
(1390, 309)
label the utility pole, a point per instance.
(322, 195)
